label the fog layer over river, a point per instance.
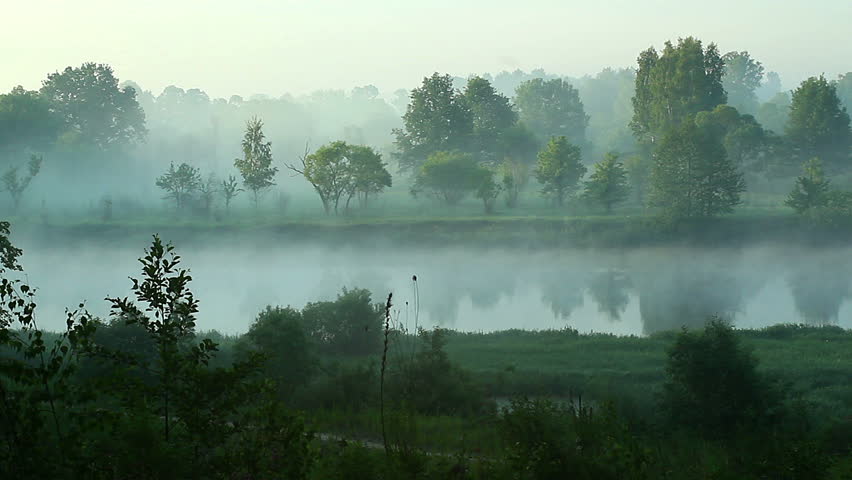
(636, 291)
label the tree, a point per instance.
(488, 190)
(559, 169)
(279, 334)
(811, 189)
(692, 175)
(449, 176)
(744, 138)
(672, 87)
(328, 170)
(339, 171)
(350, 325)
(230, 189)
(26, 122)
(370, 175)
(743, 76)
(437, 118)
(180, 183)
(713, 385)
(16, 185)
(492, 116)
(207, 191)
(818, 124)
(93, 108)
(552, 108)
(638, 174)
(514, 178)
(256, 164)
(774, 113)
(607, 185)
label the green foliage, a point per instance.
(743, 75)
(27, 121)
(430, 384)
(673, 86)
(16, 185)
(713, 385)
(818, 124)
(93, 108)
(492, 116)
(638, 175)
(774, 114)
(339, 171)
(559, 169)
(811, 189)
(843, 87)
(607, 185)
(180, 183)
(836, 212)
(449, 176)
(546, 439)
(437, 119)
(692, 175)
(279, 334)
(349, 325)
(488, 191)
(514, 178)
(256, 164)
(744, 139)
(552, 108)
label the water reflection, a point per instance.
(637, 291)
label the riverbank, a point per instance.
(504, 231)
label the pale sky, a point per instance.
(274, 47)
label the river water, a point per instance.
(625, 292)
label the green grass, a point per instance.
(813, 362)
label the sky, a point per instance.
(273, 47)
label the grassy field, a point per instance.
(813, 363)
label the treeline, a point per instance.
(684, 134)
(143, 395)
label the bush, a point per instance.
(350, 325)
(713, 385)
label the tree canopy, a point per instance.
(743, 76)
(559, 169)
(552, 108)
(673, 86)
(437, 118)
(607, 185)
(256, 163)
(819, 125)
(450, 176)
(93, 109)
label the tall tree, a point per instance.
(437, 118)
(692, 175)
(774, 113)
(180, 183)
(559, 169)
(492, 116)
(552, 108)
(675, 85)
(93, 109)
(743, 76)
(607, 185)
(256, 164)
(818, 124)
(811, 189)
